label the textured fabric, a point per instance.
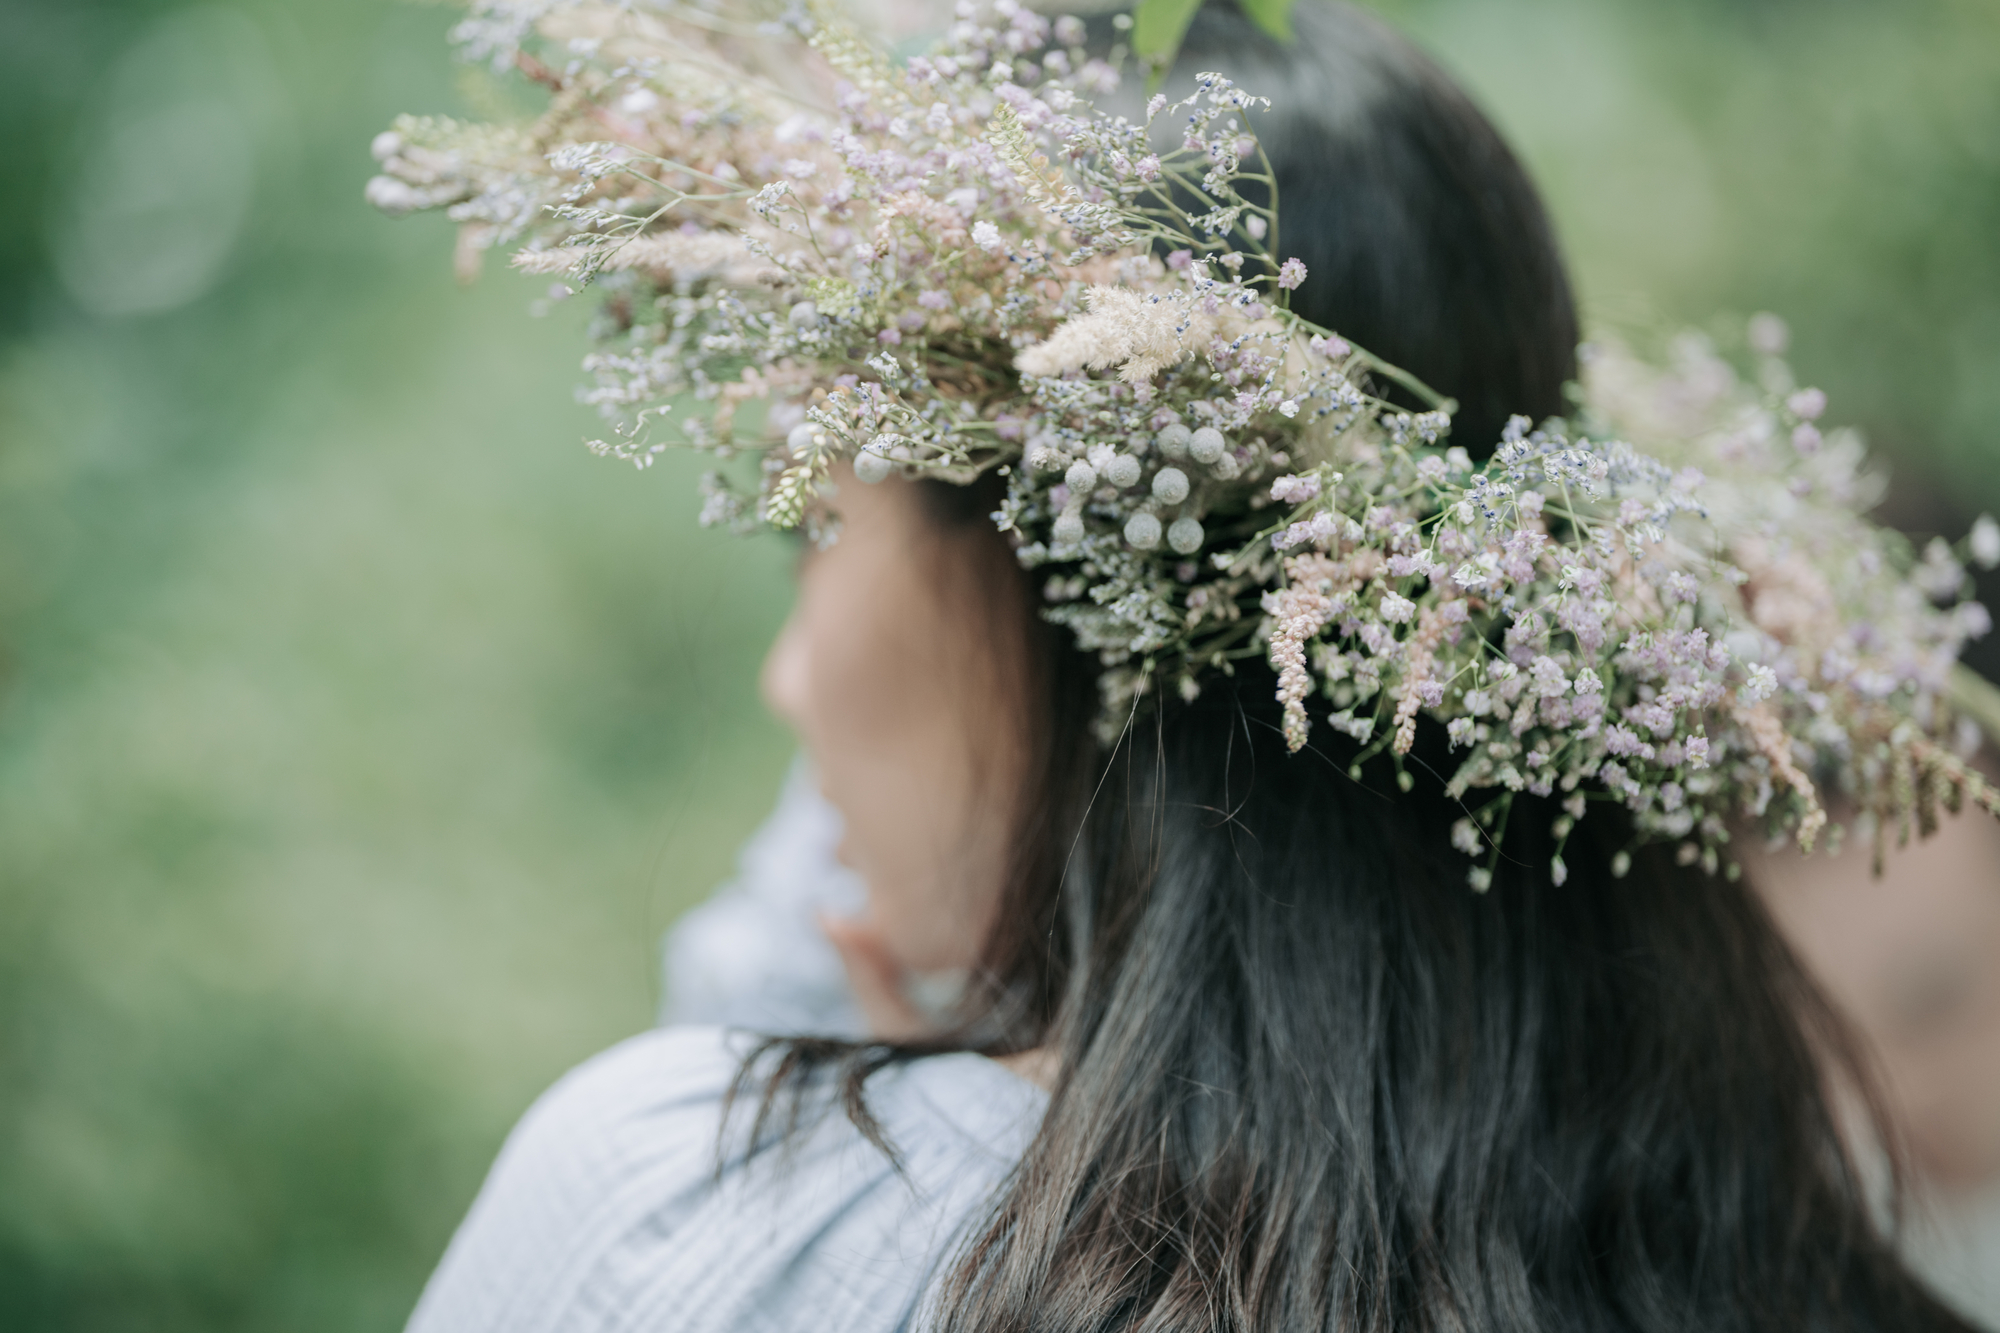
(753, 956)
(609, 1208)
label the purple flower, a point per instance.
(1291, 273)
(1622, 740)
(1806, 439)
(1295, 490)
(1402, 566)
(1179, 260)
(1549, 679)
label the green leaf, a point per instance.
(1273, 16)
(1159, 25)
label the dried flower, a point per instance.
(1673, 597)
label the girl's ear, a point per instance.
(877, 979)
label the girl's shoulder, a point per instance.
(624, 1200)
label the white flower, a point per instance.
(1769, 334)
(1138, 333)
(872, 463)
(1397, 609)
(1206, 445)
(986, 236)
(1763, 683)
(1465, 837)
(1985, 542)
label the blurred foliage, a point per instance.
(1835, 161)
(359, 733)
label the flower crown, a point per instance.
(960, 266)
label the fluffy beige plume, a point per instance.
(1139, 333)
(674, 255)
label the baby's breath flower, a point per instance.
(1670, 601)
(1807, 404)
(1985, 542)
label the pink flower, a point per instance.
(1295, 490)
(1291, 273)
(1807, 404)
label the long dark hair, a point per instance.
(1423, 239)
(1310, 1080)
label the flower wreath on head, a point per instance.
(959, 266)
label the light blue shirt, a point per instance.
(619, 1202)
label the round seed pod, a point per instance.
(1226, 467)
(1068, 528)
(1081, 477)
(800, 437)
(804, 313)
(1170, 485)
(1172, 441)
(1122, 471)
(872, 464)
(1206, 445)
(1046, 458)
(1142, 531)
(1185, 536)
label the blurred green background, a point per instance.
(359, 732)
